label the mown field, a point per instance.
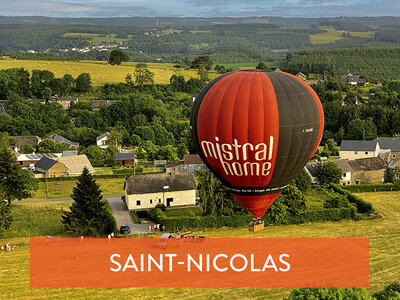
(331, 35)
(62, 189)
(384, 238)
(99, 71)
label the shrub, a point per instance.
(336, 201)
(362, 206)
(391, 291)
(302, 181)
(134, 217)
(365, 188)
(161, 206)
(329, 293)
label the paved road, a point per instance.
(121, 215)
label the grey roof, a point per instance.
(69, 153)
(154, 183)
(62, 140)
(392, 143)
(312, 167)
(45, 163)
(102, 135)
(174, 164)
(356, 145)
(343, 164)
(367, 164)
(124, 155)
(38, 156)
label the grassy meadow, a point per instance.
(99, 71)
(331, 35)
(384, 235)
(63, 189)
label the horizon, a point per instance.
(201, 8)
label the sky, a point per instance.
(199, 8)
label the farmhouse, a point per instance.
(143, 192)
(190, 163)
(65, 102)
(353, 80)
(125, 158)
(102, 140)
(63, 166)
(368, 170)
(63, 141)
(29, 160)
(391, 144)
(354, 149)
(48, 167)
(97, 104)
(347, 170)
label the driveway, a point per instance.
(121, 215)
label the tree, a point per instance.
(83, 83)
(277, 211)
(360, 129)
(143, 75)
(199, 61)
(15, 182)
(262, 66)
(168, 152)
(68, 83)
(129, 79)
(396, 175)
(94, 155)
(329, 293)
(302, 181)
(117, 57)
(28, 148)
(328, 173)
(5, 216)
(391, 291)
(88, 215)
(215, 199)
(294, 200)
(203, 74)
(51, 146)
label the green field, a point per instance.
(99, 71)
(384, 238)
(95, 38)
(331, 35)
(63, 189)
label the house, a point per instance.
(354, 149)
(301, 76)
(97, 104)
(125, 158)
(75, 164)
(311, 169)
(353, 80)
(347, 170)
(29, 160)
(65, 102)
(102, 140)
(392, 145)
(30, 140)
(368, 170)
(193, 162)
(175, 167)
(144, 192)
(48, 167)
(63, 141)
(190, 163)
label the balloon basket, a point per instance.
(256, 225)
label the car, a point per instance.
(125, 229)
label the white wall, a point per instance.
(150, 200)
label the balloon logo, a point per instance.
(256, 130)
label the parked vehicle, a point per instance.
(125, 229)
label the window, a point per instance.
(355, 152)
(159, 200)
(138, 203)
(393, 155)
(151, 201)
(366, 152)
(344, 174)
(357, 182)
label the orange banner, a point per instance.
(198, 262)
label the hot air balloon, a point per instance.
(255, 130)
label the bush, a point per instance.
(127, 171)
(111, 224)
(329, 293)
(365, 188)
(302, 181)
(391, 291)
(161, 206)
(134, 217)
(362, 206)
(336, 201)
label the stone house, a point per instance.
(144, 192)
(392, 145)
(30, 140)
(63, 166)
(29, 160)
(98, 104)
(48, 167)
(368, 170)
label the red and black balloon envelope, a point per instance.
(256, 130)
